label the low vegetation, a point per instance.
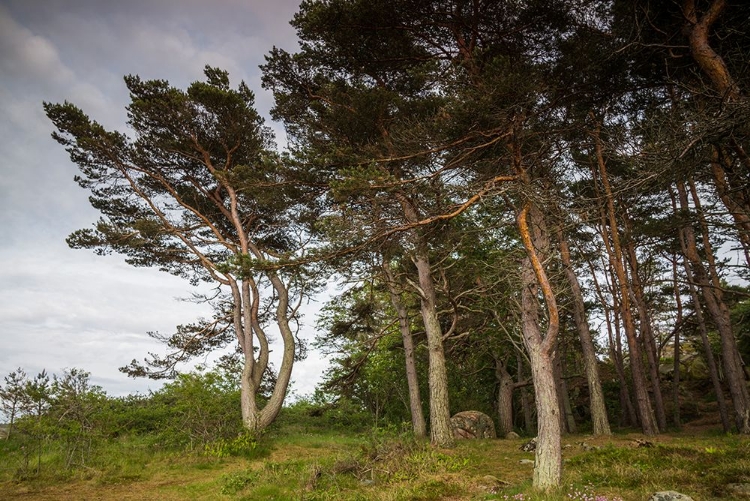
(186, 441)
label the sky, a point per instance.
(62, 308)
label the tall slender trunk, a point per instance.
(441, 433)
(645, 412)
(720, 314)
(419, 426)
(701, 321)
(548, 464)
(528, 415)
(628, 415)
(676, 346)
(590, 362)
(644, 322)
(505, 385)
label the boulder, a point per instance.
(490, 484)
(472, 424)
(529, 446)
(669, 496)
(512, 435)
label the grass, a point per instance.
(313, 463)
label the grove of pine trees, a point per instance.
(540, 209)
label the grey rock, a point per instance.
(587, 447)
(669, 496)
(526, 461)
(472, 424)
(491, 484)
(529, 446)
(512, 435)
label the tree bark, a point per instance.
(419, 426)
(720, 314)
(596, 395)
(676, 346)
(700, 319)
(649, 344)
(710, 63)
(645, 412)
(441, 433)
(504, 397)
(548, 464)
(627, 412)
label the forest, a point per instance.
(536, 209)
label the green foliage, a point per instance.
(198, 408)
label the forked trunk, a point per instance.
(419, 426)
(255, 418)
(548, 463)
(441, 433)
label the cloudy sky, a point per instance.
(63, 308)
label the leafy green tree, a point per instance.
(198, 192)
(74, 413)
(13, 397)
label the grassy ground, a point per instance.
(309, 463)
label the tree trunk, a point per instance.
(596, 395)
(710, 63)
(528, 416)
(441, 433)
(649, 344)
(567, 422)
(628, 416)
(710, 360)
(504, 398)
(415, 402)
(548, 464)
(676, 345)
(645, 412)
(720, 314)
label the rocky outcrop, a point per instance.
(472, 424)
(669, 496)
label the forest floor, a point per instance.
(298, 463)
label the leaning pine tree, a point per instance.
(197, 192)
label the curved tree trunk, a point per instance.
(548, 464)
(255, 418)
